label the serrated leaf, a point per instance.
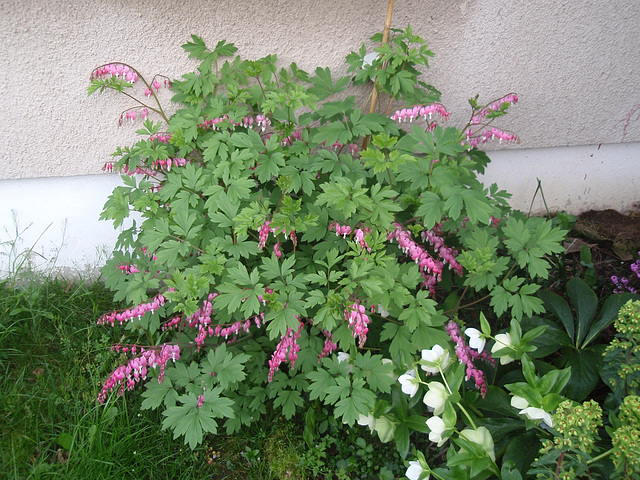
(431, 209)
(227, 369)
(321, 381)
(378, 375)
(289, 400)
(158, 393)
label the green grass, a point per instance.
(53, 359)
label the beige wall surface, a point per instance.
(575, 64)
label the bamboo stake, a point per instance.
(374, 93)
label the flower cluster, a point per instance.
(447, 254)
(345, 230)
(627, 344)
(296, 135)
(169, 162)
(358, 320)
(288, 341)
(359, 237)
(473, 139)
(290, 139)
(201, 320)
(416, 111)
(131, 115)
(115, 70)
(235, 328)
(628, 324)
(155, 85)
(329, 345)
(127, 375)
(161, 137)
(481, 115)
(577, 426)
(475, 135)
(353, 148)
(130, 313)
(467, 355)
(113, 167)
(263, 236)
(430, 269)
(129, 269)
(171, 323)
(622, 283)
(626, 439)
(248, 121)
(267, 291)
(150, 255)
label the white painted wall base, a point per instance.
(56, 219)
(51, 224)
(575, 179)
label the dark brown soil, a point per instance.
(613, 239)
(610, 229)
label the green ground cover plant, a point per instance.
(298, 253)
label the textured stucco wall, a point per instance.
(574, 64)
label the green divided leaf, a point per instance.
(226, 369)
(158, 393)
(191, 421)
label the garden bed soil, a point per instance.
(613, 239)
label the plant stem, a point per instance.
(466, 414)
(462, 409)
(600, 457)
(458, 306)
(559, 467)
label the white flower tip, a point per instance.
(519, 402)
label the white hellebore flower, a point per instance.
(532, 413)
(435, 359)
(386, 361)
(476, 340)
(344, 357)
(437, 427)
(503, 340)
(415, 470)
(409, 382)
(436, 397)
(367, 421)
(385, 428)
(482, 438)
